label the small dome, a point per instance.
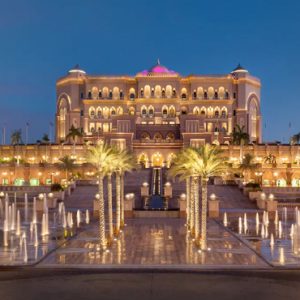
(77, 69)
(239, 69)
(158, 69)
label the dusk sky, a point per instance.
(42, 40)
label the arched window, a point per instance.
(210, 92)
(92, 112)
(168, 91)
(131, 111)
(116, 93)
(252, 119)
(120, 111)
(226, 95)
(163, 93)
(105, 92)
(105, 112)
(196, 110)
(205, 95)
(174, 93)
(224, 112)
(89, 95)
(157, 91)
(99, 112)
(165, 111)
(200, 93)
(172, 111)
(131, 93)
(121, 94)
(216, 96)
(147, 91)
(144, 111)
(100, 94)
(210, 112)
(203, 111)
(95, 92)
(184, 110)
(112, 111)
(217, 112)
(151, 111)
(157, 137)
(183, 93)
(110, 94)
(221, 92)
(142, 93)
(152, 93)
(145, 136)
(170, 137)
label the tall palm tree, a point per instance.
(16, 137)
(248, 165)
(181, 168)
(100, 156)
(207, 162)
(124, 163)
(66, 164)
(108, 171)
(74, 134)
(240, 137)
(295, 139)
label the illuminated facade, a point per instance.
(157, 112)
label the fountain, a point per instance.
(266, 232)
(285, 214)
(45, 230)
(262, 231)
(276, 220)
(36, 240)
(78, 218)
(280, 229)
(225, 222)
(5, 233)
(34, 218)
(13, 217)
(240, 225)
(272, 243)
(9, 219)
(64, 221)
(245, 223)
(281, 256)
(87, 216)
(267, 218)
(70, 219)
(18, 229)
(257, 219)
(25, 208)
(25, 256)
(292, 231)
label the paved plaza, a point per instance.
(159, 243)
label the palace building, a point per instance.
(157, 112)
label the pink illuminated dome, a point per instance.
(158, 69)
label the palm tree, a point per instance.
(124, 163)
(73, 134)
(100, 156)
(206, 162)
(67, 164)
(109, 170)
(181, 169)
(16, 137)
(240, 137)
(295, 139)
(247, 165)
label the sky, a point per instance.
(41, 40)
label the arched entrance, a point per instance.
(157, 160)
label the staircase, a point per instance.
(81, 198)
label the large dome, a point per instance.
(158, 69)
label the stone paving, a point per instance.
(155, 242)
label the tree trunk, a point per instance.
(196, 208)
(188, 209)
(110, 209)
(102, 240)
(118, 202)
(192, 208)
(204, 213)
(122, 200)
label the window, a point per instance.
(89, 95)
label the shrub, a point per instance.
(56, 187)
